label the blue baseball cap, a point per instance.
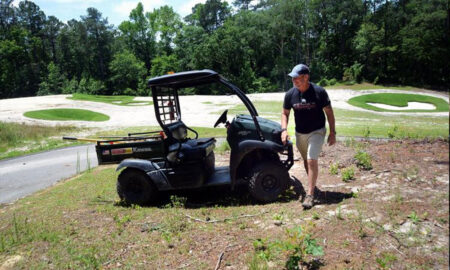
(299, 70)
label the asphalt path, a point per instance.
(25, 175)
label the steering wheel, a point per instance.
(222, 119)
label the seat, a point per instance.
(182, 149)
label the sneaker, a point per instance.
(308, 202)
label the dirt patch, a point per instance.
(394, 216)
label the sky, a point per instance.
(116, 11)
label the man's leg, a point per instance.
(313, 172)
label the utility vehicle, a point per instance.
(170, 160)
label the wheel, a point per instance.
(268, 180)
(135, 187)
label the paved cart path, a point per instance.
(25, 175)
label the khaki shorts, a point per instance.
(310, 144)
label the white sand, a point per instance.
(195, 110)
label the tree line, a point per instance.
(255, 46)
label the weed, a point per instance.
(392, 132)
(366, 132)
(386, 260)
(414, 217)
(256, 263)
(298, 245)
(339, 213)
(334, 168)
(178, 202)
(278, 217)
(121, 222)
(88, 165)
(363, 160)
(315, 216)
(348, 174)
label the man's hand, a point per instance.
(331, 138)
(284, 137)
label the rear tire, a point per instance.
(136, 187)
(268, 180)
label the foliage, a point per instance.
(297, 246)
(363, 160)
(127, 71)
(254, 46)
(348, 174)
(334, 168)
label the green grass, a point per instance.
(116, 100)
(357, 123)
(18, 139)
(67, 115)
(203, 132)
(370, 86)
(399, 100)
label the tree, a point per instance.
(210, 15)
(54, 81)
(99, 40)
(127, 71)
(139, 36)
(167, 24)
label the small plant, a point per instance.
(298, 245)
(386, 260)
(392, 132)
(315, 216)
(366, 132)
(334, 168)
(414, 217)
(339, 213)
(348, 174)
(178, 202)
(363, 160)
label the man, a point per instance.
(309, 103)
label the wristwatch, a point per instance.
(283, 129)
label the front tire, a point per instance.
(136, 187)
(268, 181)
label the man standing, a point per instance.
(309, 103)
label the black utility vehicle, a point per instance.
(169, 160)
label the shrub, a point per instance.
(363, 160)
(348, 174)
(323, 82)
(334, 168)
(332, 81)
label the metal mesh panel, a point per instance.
(167, 106)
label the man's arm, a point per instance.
(331, 123)
(284, 123)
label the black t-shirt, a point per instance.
(308, 107)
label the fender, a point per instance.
(246, 147)
(150, 168)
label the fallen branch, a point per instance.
(219, 260)
(225, 219)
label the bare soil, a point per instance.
(394, 216)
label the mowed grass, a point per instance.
(67, 115)
(370, 86)
(18, 139)
(363, 124)
(203, 132)
(399, 100)
(116, 100)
